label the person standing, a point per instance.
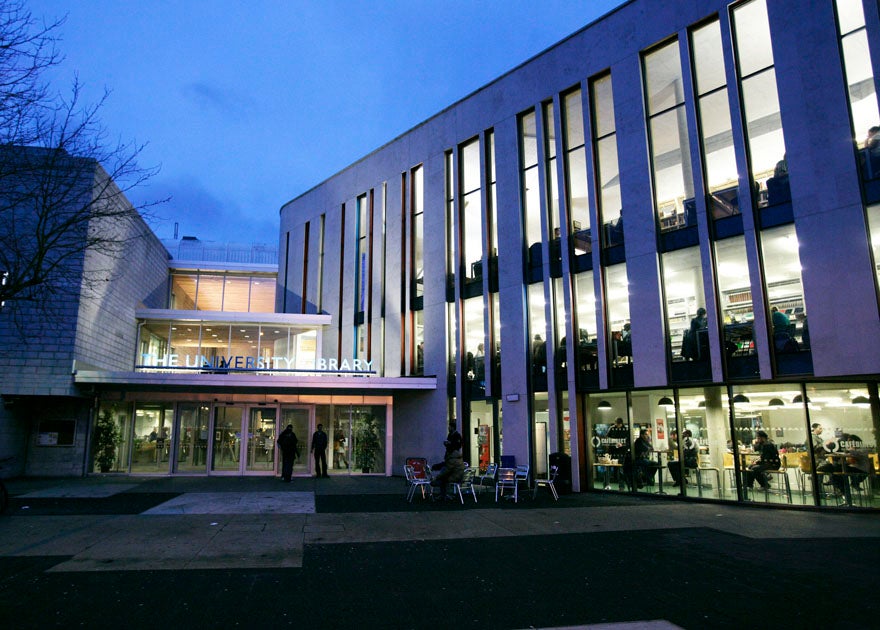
(287, 443)
(319, 448)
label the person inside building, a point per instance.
(856, 462)
(287, 443)
(689, 457)
(319, 449)
(645, 466)
(617, 438)
(768, 459)
(695, 344)
(452, 468)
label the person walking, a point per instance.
(287, 443)
(319, 448)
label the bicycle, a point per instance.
(4, 493)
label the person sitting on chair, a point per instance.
(768, 460)
(452, 469)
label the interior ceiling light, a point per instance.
(604, 405)
(741, 399)
(666, 401)
(861, 401)
(776, 402)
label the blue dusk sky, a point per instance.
(246, 105)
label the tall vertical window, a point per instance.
(552, 187)
(735, 295)
(787, 319)
(763, 123)
(492, 213)
(863, 107)
(320, 288)
(538, 330)
(451, 248)
(667, 129)
(305, 268)
(417, 208)
(417, 269)
(531, 191)
(585, 342)
(471, 212)
(607, 169)
(576, 171)
(474, 342)
(617, 305)
(560, 326)
(362, 277)
(685, 307)
(716, 137)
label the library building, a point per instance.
(720, 344)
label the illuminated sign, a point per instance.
(242, 363)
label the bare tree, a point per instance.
(63, 182)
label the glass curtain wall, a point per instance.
(713, 107)
(243, 293)
(607, 168)
(576, 173)
(843, 442)
(760, 101)
(668, 136)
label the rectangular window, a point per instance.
(736, 308)
(531, 193)
(417, 208)
(607, 167)
(760, 104)
(787, 319)
(471, 224)
(716, 136)
(668, 136)
(685, 311)
(576, 172)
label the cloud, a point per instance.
(198, 212)
(219, 99)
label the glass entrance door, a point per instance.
(301, 418)
(226, 444)
(260, 444)
(192, 437)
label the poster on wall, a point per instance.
(661, 433)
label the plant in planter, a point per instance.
(107, 436)
(367, 445)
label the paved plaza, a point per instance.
(351, 551)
